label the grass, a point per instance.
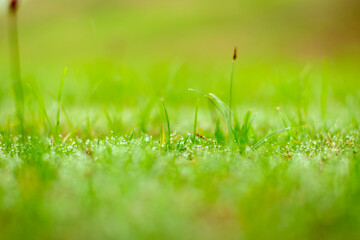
(280, 160)
(232, 77)
(107, 188)
(15, 63)
(168, 141)
(265, 180)
(111, 177)
(57, 129)
(195, 120)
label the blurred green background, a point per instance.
(64, 31)
(125, 54)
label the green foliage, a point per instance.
(238, 135)
(118, 169)
(187, 190)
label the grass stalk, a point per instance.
(195, 120)
(57, 129)
(232, 77)
(131, 136)
(15, 64)
(262, 141)
(167, 120)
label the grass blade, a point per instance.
(15, 63)
(131, 136)
(167, 119)
(262, 141)
(41, 103)
(195, 120)
(232, 76)
(223, 108)
(226, 112)
(57, 129)
(205, 96)
(8, 138)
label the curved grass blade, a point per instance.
(262, 141)
(223, 108)
(205, 96)
(197, 91)
(221, 104)
(227, 113)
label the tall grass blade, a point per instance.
(15, 63)
(232, 77)
(195, 120)
(167, 120)
(57, 129)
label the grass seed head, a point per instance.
(235, 54)
(13, 6)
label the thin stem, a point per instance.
(232, 76)
(167, 121)
(231, 83)
(57, 129)
(16, 70)
(195, 121)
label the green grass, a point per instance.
(57, 129)
(16, 68)
(125, 151)
(261, 182)
(107, 188)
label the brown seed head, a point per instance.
(13, 6)
(235, 53)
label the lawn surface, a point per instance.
(140, 143)
(114, 173)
